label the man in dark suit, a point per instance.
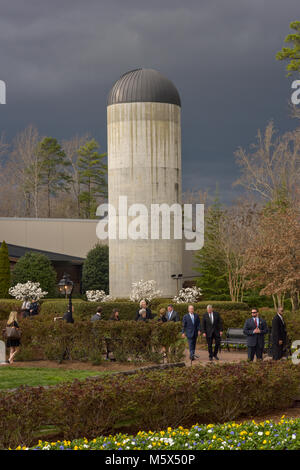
(171, 315)
(98, 315)
(191, 329)
(255, 329)
(212, 329)
(278, 335)
(34, 308)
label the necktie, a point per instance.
(211, 317)
(256, 324)
(192, 317)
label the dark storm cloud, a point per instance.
(60, 58)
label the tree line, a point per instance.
(41, 177)
(252, 248)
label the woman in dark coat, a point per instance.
(143, 315)
(13, 343)
(143, 305)
(115, 315)
(162, 315)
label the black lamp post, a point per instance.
(66, 286)
(177, 277)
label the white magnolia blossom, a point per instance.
(28, 291)
(188, 294)
(98, 296)
(144, 290)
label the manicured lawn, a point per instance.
(12, 377)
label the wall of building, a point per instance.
(74, 237)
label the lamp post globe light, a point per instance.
(66, 286)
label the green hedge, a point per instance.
(200, 307)
(85, 341)
(7, 305)
(147, 400)
(84, 310)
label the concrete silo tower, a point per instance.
(144, 164)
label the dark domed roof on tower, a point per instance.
(143, 85)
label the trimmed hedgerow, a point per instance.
(84, 310)
(7, 305)
(200, 307)
(147, 400)
(85, 341)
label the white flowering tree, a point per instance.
(98, 296)
(187, 295)
(28, 291)
(144, 290)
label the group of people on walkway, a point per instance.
(211, 328)
(255, 329)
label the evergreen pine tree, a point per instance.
(95, 269)
(209, 261)
(36, 267)
(53, 175)
(92, 176)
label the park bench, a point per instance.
(234, 337)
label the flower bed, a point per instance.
(266, 435)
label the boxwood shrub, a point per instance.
(200, 307)
(147, 401)
(43, 339)
(84, 310)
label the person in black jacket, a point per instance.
(143, 305)
(34, 308)
(191, 329)
(255, 329)
(115, 315)
(13, 343)
(162, 315)
(142, 315)
(278, 335)
(212, 329)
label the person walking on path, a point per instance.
(278, 335)
(191, 329)
(13, 341)
(212, 329)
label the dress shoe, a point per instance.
(216, 358)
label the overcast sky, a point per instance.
(59, 59)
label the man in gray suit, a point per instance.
(171, 315)
(98, 315)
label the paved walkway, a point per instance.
(224, 356)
